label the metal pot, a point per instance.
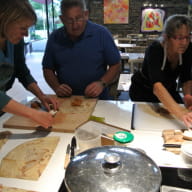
(112, 169)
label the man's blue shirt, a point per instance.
(81, 62)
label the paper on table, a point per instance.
(124, 82)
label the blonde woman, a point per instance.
(15, 19)
(167, 60)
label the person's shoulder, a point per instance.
(94, 27)
(188, 50)
(189, 47)
(57, 32)
(57, 36)
(154, 47)
(155, 43)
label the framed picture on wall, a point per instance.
(152, 19)
(116, 12)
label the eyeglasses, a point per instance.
(76, 20)
(181, 38)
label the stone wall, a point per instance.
(96, 13)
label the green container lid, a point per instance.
(123, 137)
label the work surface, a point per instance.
(116, 113)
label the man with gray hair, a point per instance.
(81, 57)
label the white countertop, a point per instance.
(117, 113)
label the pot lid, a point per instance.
(112, 169)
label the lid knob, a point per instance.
(111, 163)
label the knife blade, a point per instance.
(73, 146)
(67, 156)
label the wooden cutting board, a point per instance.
(73, 112)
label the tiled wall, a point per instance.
(171, 6)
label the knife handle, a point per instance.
(67, 160)
(172, 145)
(72, 153)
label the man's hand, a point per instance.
(63, 90)
(94, 89)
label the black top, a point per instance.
(142, 82)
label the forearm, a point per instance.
(18, 109)
(187, 88)
(41, 118)
(34, 88)
(163, 95)
(111, 74)
(51, 79)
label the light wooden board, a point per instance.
(67, 119)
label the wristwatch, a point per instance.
(103, 83)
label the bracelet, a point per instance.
(103, 83)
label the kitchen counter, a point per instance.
(116, 113)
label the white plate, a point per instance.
(173, 189)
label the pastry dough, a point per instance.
(28, 160)
(12, 189)
(4, 135)
(76, 101)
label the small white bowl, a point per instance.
(186, 153)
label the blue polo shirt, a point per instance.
(81, 62)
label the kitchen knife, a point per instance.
(172, 145)
(67, 156)
(73, 146)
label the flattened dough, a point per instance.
(4, 135)
(12, 189)
(28, 160)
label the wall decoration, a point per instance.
(116, 11)
(152, 19)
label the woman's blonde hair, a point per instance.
(14, 10)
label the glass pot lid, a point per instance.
(112, 169)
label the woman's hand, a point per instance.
(42, 118)
(186, 117)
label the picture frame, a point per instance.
(152, 19)
(116, 12)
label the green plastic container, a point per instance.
(123, 138)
